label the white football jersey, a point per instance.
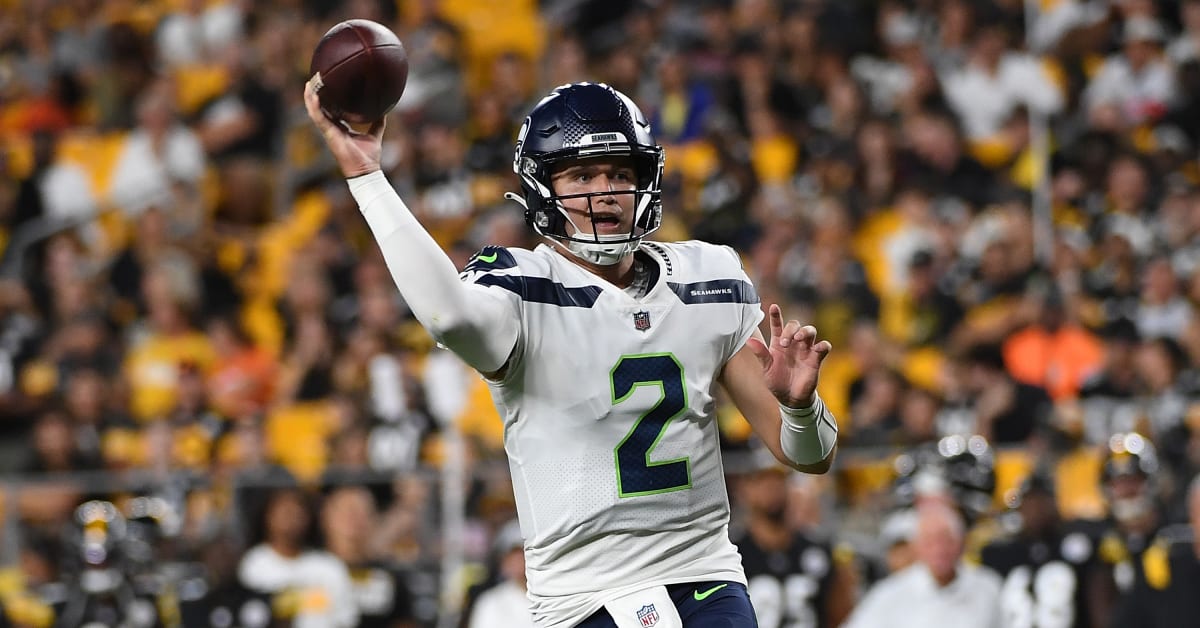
(609, 425)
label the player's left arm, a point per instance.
(774, 385)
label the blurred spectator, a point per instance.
(150, 246)
(896, 538)
(1165, 395)
(435, 78)
(939, 590)
(875, 400)
(1004, 410)
(309, 586)
(918, 417)
(1108, 395)
(55, 189)
(1136, 85)
(244, 121)
(166, 343)
(160, 160)
(195, 33)
(87, 401)
(54, 448)
(127, 68)
(901, 79)
(349, 521)
(823, 277)
(682, 103)
(243, 381)
(936, 146)
(1163, 310)
(505, 603)
(923, 312)
(1186, 46)
(994, 83)
(1055, 352)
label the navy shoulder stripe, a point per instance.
(715, 291)
(491, 258)
(542, 290)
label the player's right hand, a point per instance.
(356, 153)
(792, 361)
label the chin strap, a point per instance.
(600, 253)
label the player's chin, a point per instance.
(614, 228)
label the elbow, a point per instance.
(448, 328)
(480, 348)
(452, 331)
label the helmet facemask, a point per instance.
(587, 242)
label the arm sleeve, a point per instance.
(751, 307)
(477, 323)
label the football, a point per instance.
(361, 69)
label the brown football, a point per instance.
(363, 70)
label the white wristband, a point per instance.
(807, 435)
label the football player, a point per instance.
(1046, 565)
(794, 579)
(1129, 480)
(1166, 596)
(602, 351)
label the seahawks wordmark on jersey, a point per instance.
(608, 420)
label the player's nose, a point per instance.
(608, 184)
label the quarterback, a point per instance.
(602, 351)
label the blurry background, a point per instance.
(990, 207)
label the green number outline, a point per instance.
(661, 432)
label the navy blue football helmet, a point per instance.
(583, 120)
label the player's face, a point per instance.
(765, 492)
(1039, 512)
(612, 180)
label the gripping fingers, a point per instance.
(312, 104)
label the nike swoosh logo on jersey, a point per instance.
(488, 259)
(702, 596)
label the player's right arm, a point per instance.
(477, 323)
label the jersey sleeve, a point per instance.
(751, 313)
(494, 275)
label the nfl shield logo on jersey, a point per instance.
(641, 322)
(646, 614)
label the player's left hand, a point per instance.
(792, 361)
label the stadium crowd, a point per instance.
(215, 410)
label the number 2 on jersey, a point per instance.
(636, 474)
